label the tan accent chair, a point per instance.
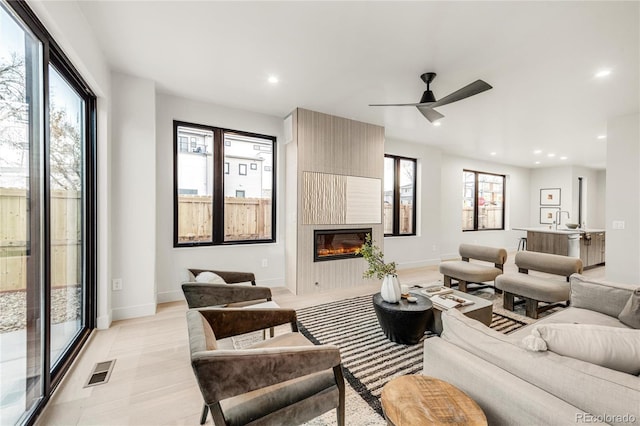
(466, 272)
(283, 380)
(534, 289)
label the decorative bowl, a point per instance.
(571, 225)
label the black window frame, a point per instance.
(217, 223)
(476, 204)
(53, 55)
(396, 195)
(240, 167)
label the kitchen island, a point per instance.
(587, 244)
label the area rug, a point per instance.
(370, 360)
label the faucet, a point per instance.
(559, 217)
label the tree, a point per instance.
(65, 144)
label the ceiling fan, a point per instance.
(428, 100)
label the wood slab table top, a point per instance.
(422, 400)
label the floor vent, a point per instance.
(101, 373)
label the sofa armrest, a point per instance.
(258, 368)
(597, 295)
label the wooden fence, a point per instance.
(244, 218)
(488, 217)
(406, 218)
(65, 238)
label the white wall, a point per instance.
(551, 177)
(69, 28)
(133, 229)
(623, 204)
(423, 248)
(439, 213)
(516, 206)
(172, 263)
(593, 192)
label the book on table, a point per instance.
(448, 301)
(436, 290)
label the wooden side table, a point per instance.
(422, 400)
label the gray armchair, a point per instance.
(229, 277)
(285, 380)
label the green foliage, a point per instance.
(375, 258)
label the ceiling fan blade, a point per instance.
(430, 114)
(425, 104)
(474, 88)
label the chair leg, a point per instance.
(340, 410)
(507, 301)
(205, 412)
(447, 281)
(462, 286)
(531, 308)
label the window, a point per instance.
(482, 201)
(254, 166)
(399, 195)
(226, 207)
(47, 199)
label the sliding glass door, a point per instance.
(47, 215)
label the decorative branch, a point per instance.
(375, 258)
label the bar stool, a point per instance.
(522, 243)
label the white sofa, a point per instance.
(516, 386)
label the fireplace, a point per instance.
(334, 244)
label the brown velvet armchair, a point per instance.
(200, 295)
(283, 380)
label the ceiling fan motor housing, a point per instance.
(427, 96)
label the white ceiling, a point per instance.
(337, 57)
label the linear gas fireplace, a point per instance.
(333, 244)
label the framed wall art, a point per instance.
(550, 197)
(548, 214)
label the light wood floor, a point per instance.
(152, 382)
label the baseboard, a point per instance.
(133, 311)
(170, 296)
(418, 264)
(274, 282)
(104, 321)
(451, 256)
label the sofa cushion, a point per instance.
(570, 315)
(601, 390)
(611, 347)
(630, 314)
(600, 296)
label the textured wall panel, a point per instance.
(364, 200)
(324, 198)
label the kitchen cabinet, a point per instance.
(592, 248)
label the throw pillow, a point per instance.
(209, 277)
(610, 347)
(630, 314)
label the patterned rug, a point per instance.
(370, 360)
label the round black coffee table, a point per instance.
(403, 322)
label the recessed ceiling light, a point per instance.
(273, 79)
(602, 136)
(563, 158)
(437, 123)
(493, 154)
(537, 151)
(537, 162)
(603, 73)
(551, 155)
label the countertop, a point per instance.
(560, 230)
